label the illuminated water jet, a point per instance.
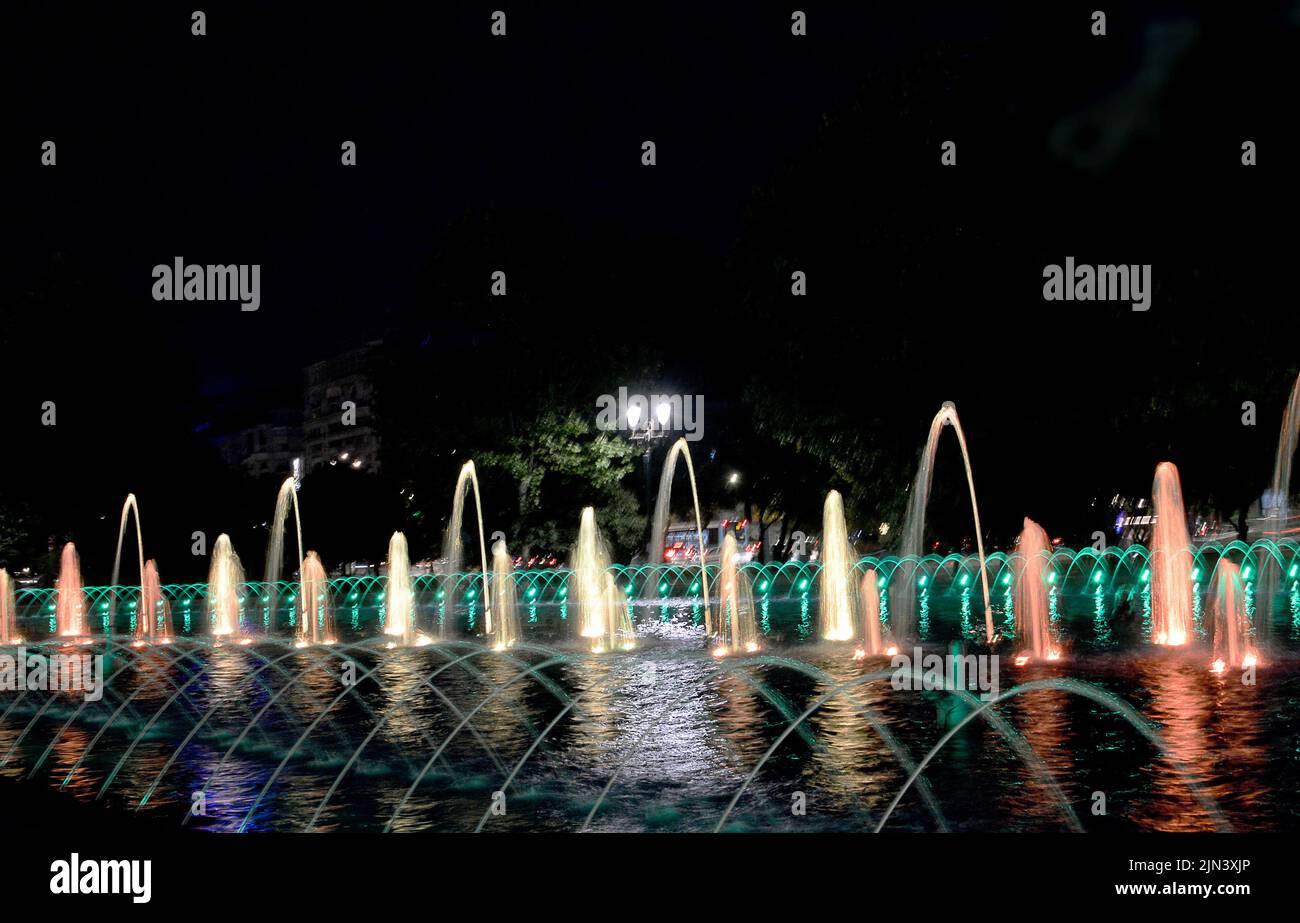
(128, 506)
(1276, 509)
(453, 551)
(873, 641)
(601, 609)
(659, 525)
(902, 603)
(286, 497)
(1288, 440)
(225, 577)
(8, 612)
(1230, 619)
(315, 618)
(505, 627)
(153, 620)
(70, 604)
(1171, 561)
(399, 599)
(1033, 614)
(737, 629)
(836, 604)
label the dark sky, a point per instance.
(226, 147)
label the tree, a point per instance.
(565, 455)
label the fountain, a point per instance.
(225, 577)
(128, 506)
(453, 550)
(902, 604)
(1033, 623)
(8, 612)
(1171, 561)
(288, 495)
(1287, 442)
(836, 605)
(70, 606)
(873, 641)
(505, 627)
(1231, 622)
(1276, 508)
(735, 606)
(659, 525)
(153, 616)
(399, 602)
(315, 620)
(602, 614)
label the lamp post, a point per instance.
(649, 437)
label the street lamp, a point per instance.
(648, 437)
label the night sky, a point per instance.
(819, 153)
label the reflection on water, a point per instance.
(333, 738)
